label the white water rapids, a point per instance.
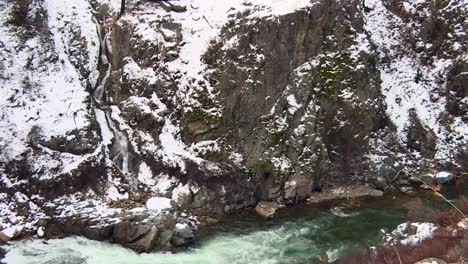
(312, 236)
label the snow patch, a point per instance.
(411, 234)
(159, 203)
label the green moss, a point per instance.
(439, 4)
(335, 71)
(262, 167)
(276, 137)
(199, 114)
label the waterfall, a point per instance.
(120, 155)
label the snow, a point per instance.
(106, 133)
(399, 86)
(237, 158)
(158, 203)
(43, 77)
(145, 175)
(11, 232)
(114, 5)
(164, 182)
(293, 105)
(174, 151)
(422, 231)
(114, 194)
(282, 163)
(133, 71)
(463, 224)
(40, 232)
(181, 226)
(444, 174)
(84, 204)
(180, 191)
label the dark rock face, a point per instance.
(420, 138)
(457, 89)
(326, 128)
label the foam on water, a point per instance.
(301, 240)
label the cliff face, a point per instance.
(220, 105)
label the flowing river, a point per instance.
(298, 234)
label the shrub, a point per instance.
(19, 14)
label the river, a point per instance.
(298, 234)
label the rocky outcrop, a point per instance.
(142, 231)
(350, 192)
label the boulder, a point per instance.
(146, 242)
(266, 209)
(164, 240)
(408, 190)
(183, 234)
(9, 233)
(137, 236)
(380, 183)
(126, 232)
(403, 183)
(374, 193)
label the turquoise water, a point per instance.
(299, 234)
(302, 235)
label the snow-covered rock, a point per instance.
(410, 234)
(159, 203)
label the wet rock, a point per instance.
(126, 232)
(266, 209)
(408, 190)
(146, 242)
(425, 187)
(380, 183)
(210, 220)
(403, 183)
(164, 240)
(137, 236)
(413, 179)
(183, 234)
(290, 189)
(374, 193)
